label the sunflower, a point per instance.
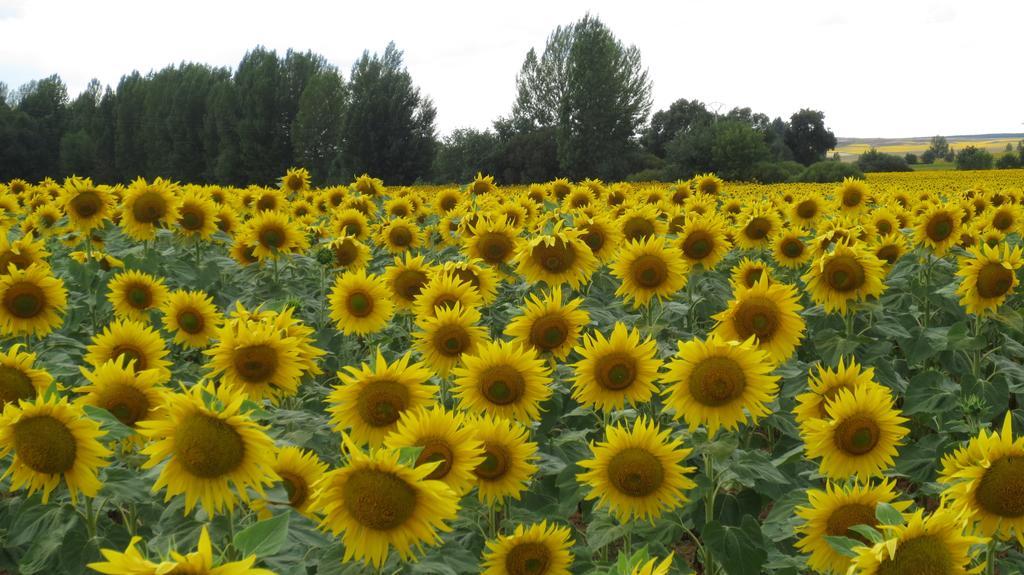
(638, 472)
(789, 249)
(295, 180)
(368, 186)
(652, 567)
(770, 313)
(925, 545)
(494, 241)
(508, 458)
(556, 258)
(443, 291)
(19, 378)
(86, 205)
(133, 294)
(22, 253)
(199, 562)
(709, 184)
(197, 215)
(406, 279)
(272, 234)
(192, 317)
(938, 228)
(747, 273)
(207, 442)
(445, 439)
(257, 360)
(134, 340)
(615, 371)
(148, 206)
(713, 382)
(349, 253)
(990, 488)
(351, 222)
(106, 262)
(756, 226)
(540, 549)
(269, 200)
(360, 303)
(128, 395)
(890, 248)
(702, 240)
(399, 235)
(831, 512)
(503, 379)
(600, 234)
(805, 211)
(649, 268)
(226, 219)
(472, 271)
(299, 471)
(447, 200)
(375, 502)
(31, 301)
(1005, 218)
(852, 196)
(369, 400)
(989, 277)
(548, 325)
(443, 338)
(860, 435)
(52, 440)
(845, 275)
(242, 252)
(641, 221)
(826, 385)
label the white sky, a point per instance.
(876, 68)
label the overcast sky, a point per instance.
(876, 68)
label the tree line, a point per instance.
(582, 109)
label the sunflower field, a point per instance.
(700, 377)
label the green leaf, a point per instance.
(888, 515)
(740, 550)
(116, 431)
(930, 392)
(409, 455)
(868, 532)
(843, 545)
(263, 537)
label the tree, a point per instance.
(939, 146)
(730, 147)
(44, 103)
(875, 161)
(928, 156)
(1007, 161)
(910, 158)
(973, 158)
(682, 116)
(465, 152)
(389, 127)
(317, 129)
(808, 137)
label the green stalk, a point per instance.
(710, 567)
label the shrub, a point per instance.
(973, 158)
(775, 172)
(910, 158)
(1007, 161)
(875, 161)
(829, 171)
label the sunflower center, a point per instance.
(844, 274)
(756, 316)
(807, 209)
(650, 271)
(272, 237)
(549, 332)
(857, 435)
(1002, 221)
(448, 203)
(380, 403)
(758, 228)
(400, 236)
(594, 239)
(345, 253)
(139, 296)
(846, 516)
(255, 363)
(528, 559)
(436, 451)
(296, 488)
(1001, 489)
(792, 248)
(616, 371)
(149, 207)
(409, 283)
(360, 304)
(637, 229)
(45, 444)
(378, 499)
(494, 247)
(940, 227)
(555, 258)
(717, 381)
(294, 183)
(451, 340)
(888, 253)
(994, 280)
(190, 321)
(353, 229)
(698, 245)
(884, 227)
(752, 276)
(495, 464)
(20, 261)
(467, 276)
(208, 447)
(636, 472)
(127, 404)
(129, 353)
(924, 555)
(14, 385)
(502, 384)
(86, 204)
(24, 300)
(852, 198)
(192, 219)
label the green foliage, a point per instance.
(807, 136)
(730, 147)
(775, 172)
(911, 158)
(830, 171)
(973, 158)
(875, 161)
(682, 116)
(1008, 160)
(463, 153)
(939, 147)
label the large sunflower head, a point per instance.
(444, 291)
(649, 268)
(860, 435)
(825, 385)
(852, 195)
(938, 228)
(482, 185)
(925, 545)
(369, 401)
(192, 317)
(130, 396)
(272, 234)
(136, 342)
(448, 445)
(789, 248)
(805, 210)
(360, 303)
(540, 549)
(86, 205)
(299, 471)
(638, 472)
(148, 206)
(548, 325)
(615, 371)
(349, 253)
(843, 276)
(494, 241)
(709, 184)
(407, 278)
(368, 186)
(475, 273)
(508, 458)
(208, 441)
(31, 301)
(601, 235)
(351, 222)
(375, 502)
(717, 383)
(503, 379)
(19, 378)
(702, 240)
(22, 252)
(747, 273)
(556, 258)
(133, 294)
(197, 215)
(641, 221)
(768, 312)
(399, 235)
(52, 441)
(257, 360)
(989, 276)
(756, 226)
(890, 248)
(447, 200)
(443, 339)
(295, 180)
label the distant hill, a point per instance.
(849, 148)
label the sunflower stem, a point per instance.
(927, 290)
(990, 557)
(90, 518)
(710, 567)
